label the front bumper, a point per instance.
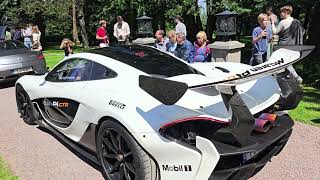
(238, 163)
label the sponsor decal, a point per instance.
(259, 68)
(117, 104)
(185, 168)
(56, 104)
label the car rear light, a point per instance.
(185, 130)
(40, 57)
(199, 118)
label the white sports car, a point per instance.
(146, 115)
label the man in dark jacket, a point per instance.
(290, 33)
(185, 50)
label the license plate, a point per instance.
(22, 70)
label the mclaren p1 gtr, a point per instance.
(144, 114)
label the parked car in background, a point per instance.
(17, 60)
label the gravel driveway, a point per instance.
(34, 154)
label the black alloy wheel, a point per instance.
(117, 155)
(25, 106)
(121, 156)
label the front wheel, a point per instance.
(25, 106)
(121, 156)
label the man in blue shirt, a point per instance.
(185, 49)
(261, 36)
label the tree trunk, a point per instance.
(306, 23)
(296, 12)
(315, 29)
(74, 24)
(210, 27)
(84, 35)
(163, 8)
(211, 19)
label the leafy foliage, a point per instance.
(55, 18)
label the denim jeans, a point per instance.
(28, 44)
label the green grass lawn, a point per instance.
(308, 110)
(54, 55)
(5, 174)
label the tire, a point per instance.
(121, 157)
(25, 106)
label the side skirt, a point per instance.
(72, 144)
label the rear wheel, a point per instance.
(121, 156)
(25, 106)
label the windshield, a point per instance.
(148, 60)
(10, 44)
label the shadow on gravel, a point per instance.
(7, 85)
(316, 121)
(74, 151)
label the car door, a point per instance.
(62, 93)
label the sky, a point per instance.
(202, 5)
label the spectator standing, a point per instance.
(36, 36)
(26, 34)
(172, 44)
(8, 35)
(180, 27)
(290, 30)
(261, 35)
(161, 40)
(202, 51)
(275, 37)
(271, 15)
(101, 34)
(185, 49)
(17, 34)
(66, 45)
(121, 30)
(290, 33)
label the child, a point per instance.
(261, 36)
(66, 45)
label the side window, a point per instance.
(101, 72)
(71, 71)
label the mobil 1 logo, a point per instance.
(185, 168)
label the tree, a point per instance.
(74, 23)
(84, 35)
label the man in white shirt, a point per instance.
(121, 30)
(161, 40)
(180, 27)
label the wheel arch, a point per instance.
(105, 118)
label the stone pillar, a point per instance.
(229, 51)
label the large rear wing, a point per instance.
(169, 92)
(242, 121)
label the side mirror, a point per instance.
(40, 71)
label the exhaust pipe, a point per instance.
(261, 125)
(270, 117)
